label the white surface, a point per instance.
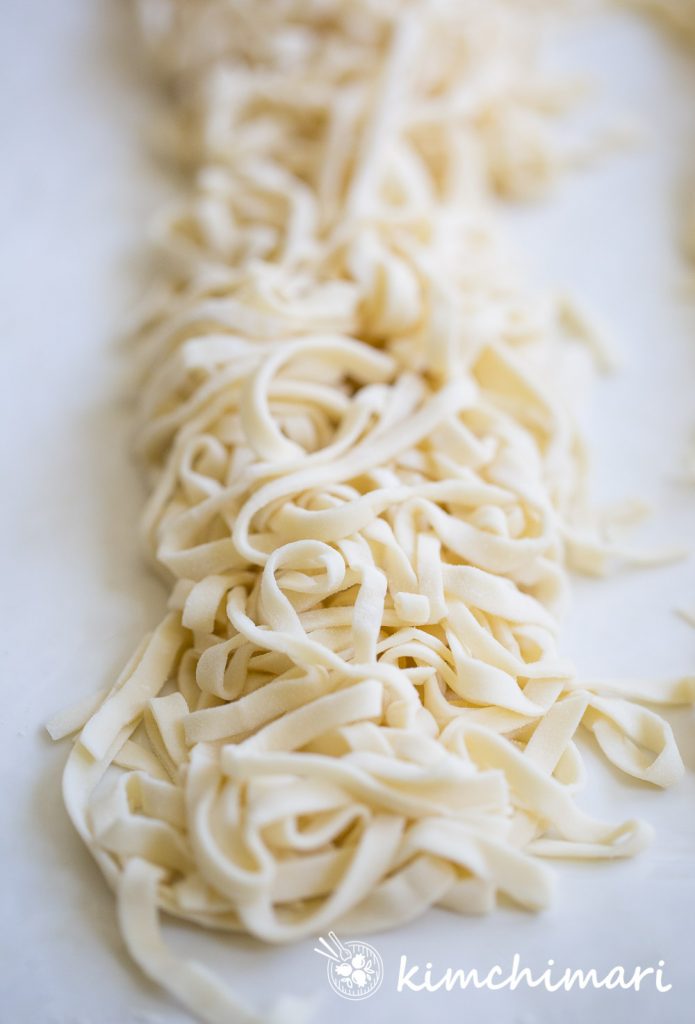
(76, 189)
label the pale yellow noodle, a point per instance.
(367, 486)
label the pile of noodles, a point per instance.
(367, 488)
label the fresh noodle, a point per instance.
(366, 489)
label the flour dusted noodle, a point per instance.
(367, 487)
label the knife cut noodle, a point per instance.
(367, 486)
